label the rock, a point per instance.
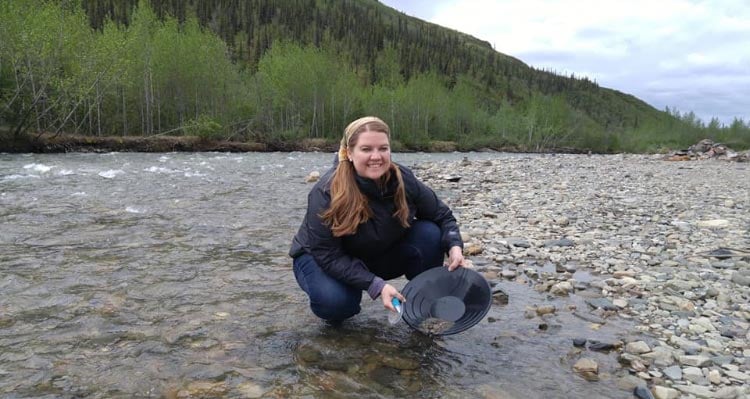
(601, 303)
(562, 221)
(400, 362)
(661, 392)
(620, 303)
(714, 223)
(741, 277)
(729, 393)
(637, 347)
(604, 346)
(313, 177)
(695, 390)
(629, 382)
(250, 390)
(696, 361)
(518, 242)
(623, 273)
(309, 354)
(694, 375)
(684, 344)
(561, 289)
(564, 242)
(499, 296)
(472, 249)
(508, 274)
(545, 309)
(642, 392)
(587, 368)
(203, 389)
(589, 317)
(714, 377)
(674, 373)
(737, 375)
(660, 356)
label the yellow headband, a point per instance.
(349, 132)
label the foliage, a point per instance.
(298, 71)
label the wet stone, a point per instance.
(385, 376)
(499, 296)
(545, 309)
(601, 303)
(579, 342)
(203, 389)
(400, 363)
(603, 346)
(334, 364)
(587, 368)
(309, 354)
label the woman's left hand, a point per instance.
(455, 258)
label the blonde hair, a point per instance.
(349, 207)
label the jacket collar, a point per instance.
(372, 189)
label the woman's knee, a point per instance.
(427, 230)
(330, 299)
(426, 238)
(335, 305)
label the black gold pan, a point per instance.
(440, 302)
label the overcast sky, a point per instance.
(685, 54)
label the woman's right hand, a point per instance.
(387, 294)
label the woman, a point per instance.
(369, 220)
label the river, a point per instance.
(166, 275)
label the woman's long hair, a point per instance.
(349, 206)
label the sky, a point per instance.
(687, 55)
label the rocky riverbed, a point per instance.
(665, 245)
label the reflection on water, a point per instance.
(166, 275)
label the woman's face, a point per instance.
(371, 154)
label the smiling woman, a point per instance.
(369, 220)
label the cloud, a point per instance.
(692, 55)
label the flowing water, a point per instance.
(166, 275)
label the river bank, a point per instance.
(49, 143)
(663, 244)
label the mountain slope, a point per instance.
(360, 30)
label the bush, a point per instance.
(204, 127)
(442, 146)
(319, 144)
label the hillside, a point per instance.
(360, 30)
(285, 73)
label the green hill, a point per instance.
(284, 71)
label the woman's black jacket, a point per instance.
(344, 258)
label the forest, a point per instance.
(291, 74)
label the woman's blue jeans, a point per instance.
(333, 300)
